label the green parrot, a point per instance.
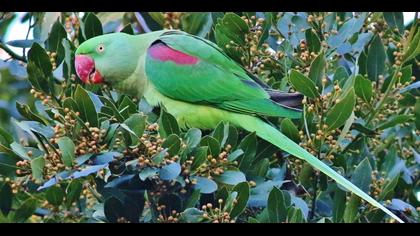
(198, 84)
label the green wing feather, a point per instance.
(216, 80)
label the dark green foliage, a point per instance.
(72, 152)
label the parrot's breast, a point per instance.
(187, 114)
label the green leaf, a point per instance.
(148, 172)
(341, 111)
(193, 137)
(313, 41)
(278, 202)
(6, 198)
(205, 185)
(39, 68)
(362, 62)
(376, 59)
(346, 31)
(317, 69)
(352, 208)
(339, 205)
(158, 17)
(229, 201)
(213, 144)
(289, 129)
(37, 167)
(200, 156)
(197, 23)
(305, 175)
(127, 107)
(260, 168)
(234, 27)
(40, 58)
(393, 121)
(232, 138)
(406, 74)
(231, 177)
(192, 215)
(295, 215)
(417, 113)
(242, 199)
(265, 150)
(26, 112)
(136, 123)
(173, 144)
(25, 211)
(220, 133)
(54, 42)
(168, 124)
(413, 48)
(388, 189)
(21, 43)
(170, 172)
(5, 137)
(340, 75)
(395, 20)
(363, 88)
(112, 107)
(362, 175)
(193, 199)
(231, 28)
(128, 29)
(303, 84)
(159, 157)
(73, 191)
(8, 163)
(68, 58)
(91, 26)
(54, 195)
(70, 104)
(86, 106)
(5, 140)
(67, 149)
(234, 155)
(363, 129)
(249, 146)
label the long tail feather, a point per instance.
(275, 137)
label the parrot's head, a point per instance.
(105, 59)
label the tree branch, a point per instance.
(142, 22)
(11, 53)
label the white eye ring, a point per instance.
(100, 48)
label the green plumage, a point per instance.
(201, 94)
(216, 80)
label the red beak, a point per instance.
(85, 69)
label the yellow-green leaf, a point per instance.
(67, 149)
(303, 84)
(341, 111)
(363, 88)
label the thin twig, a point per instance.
(27, 34)
(11, 53)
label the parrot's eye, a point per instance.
(100, 48)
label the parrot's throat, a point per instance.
(135, 84)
